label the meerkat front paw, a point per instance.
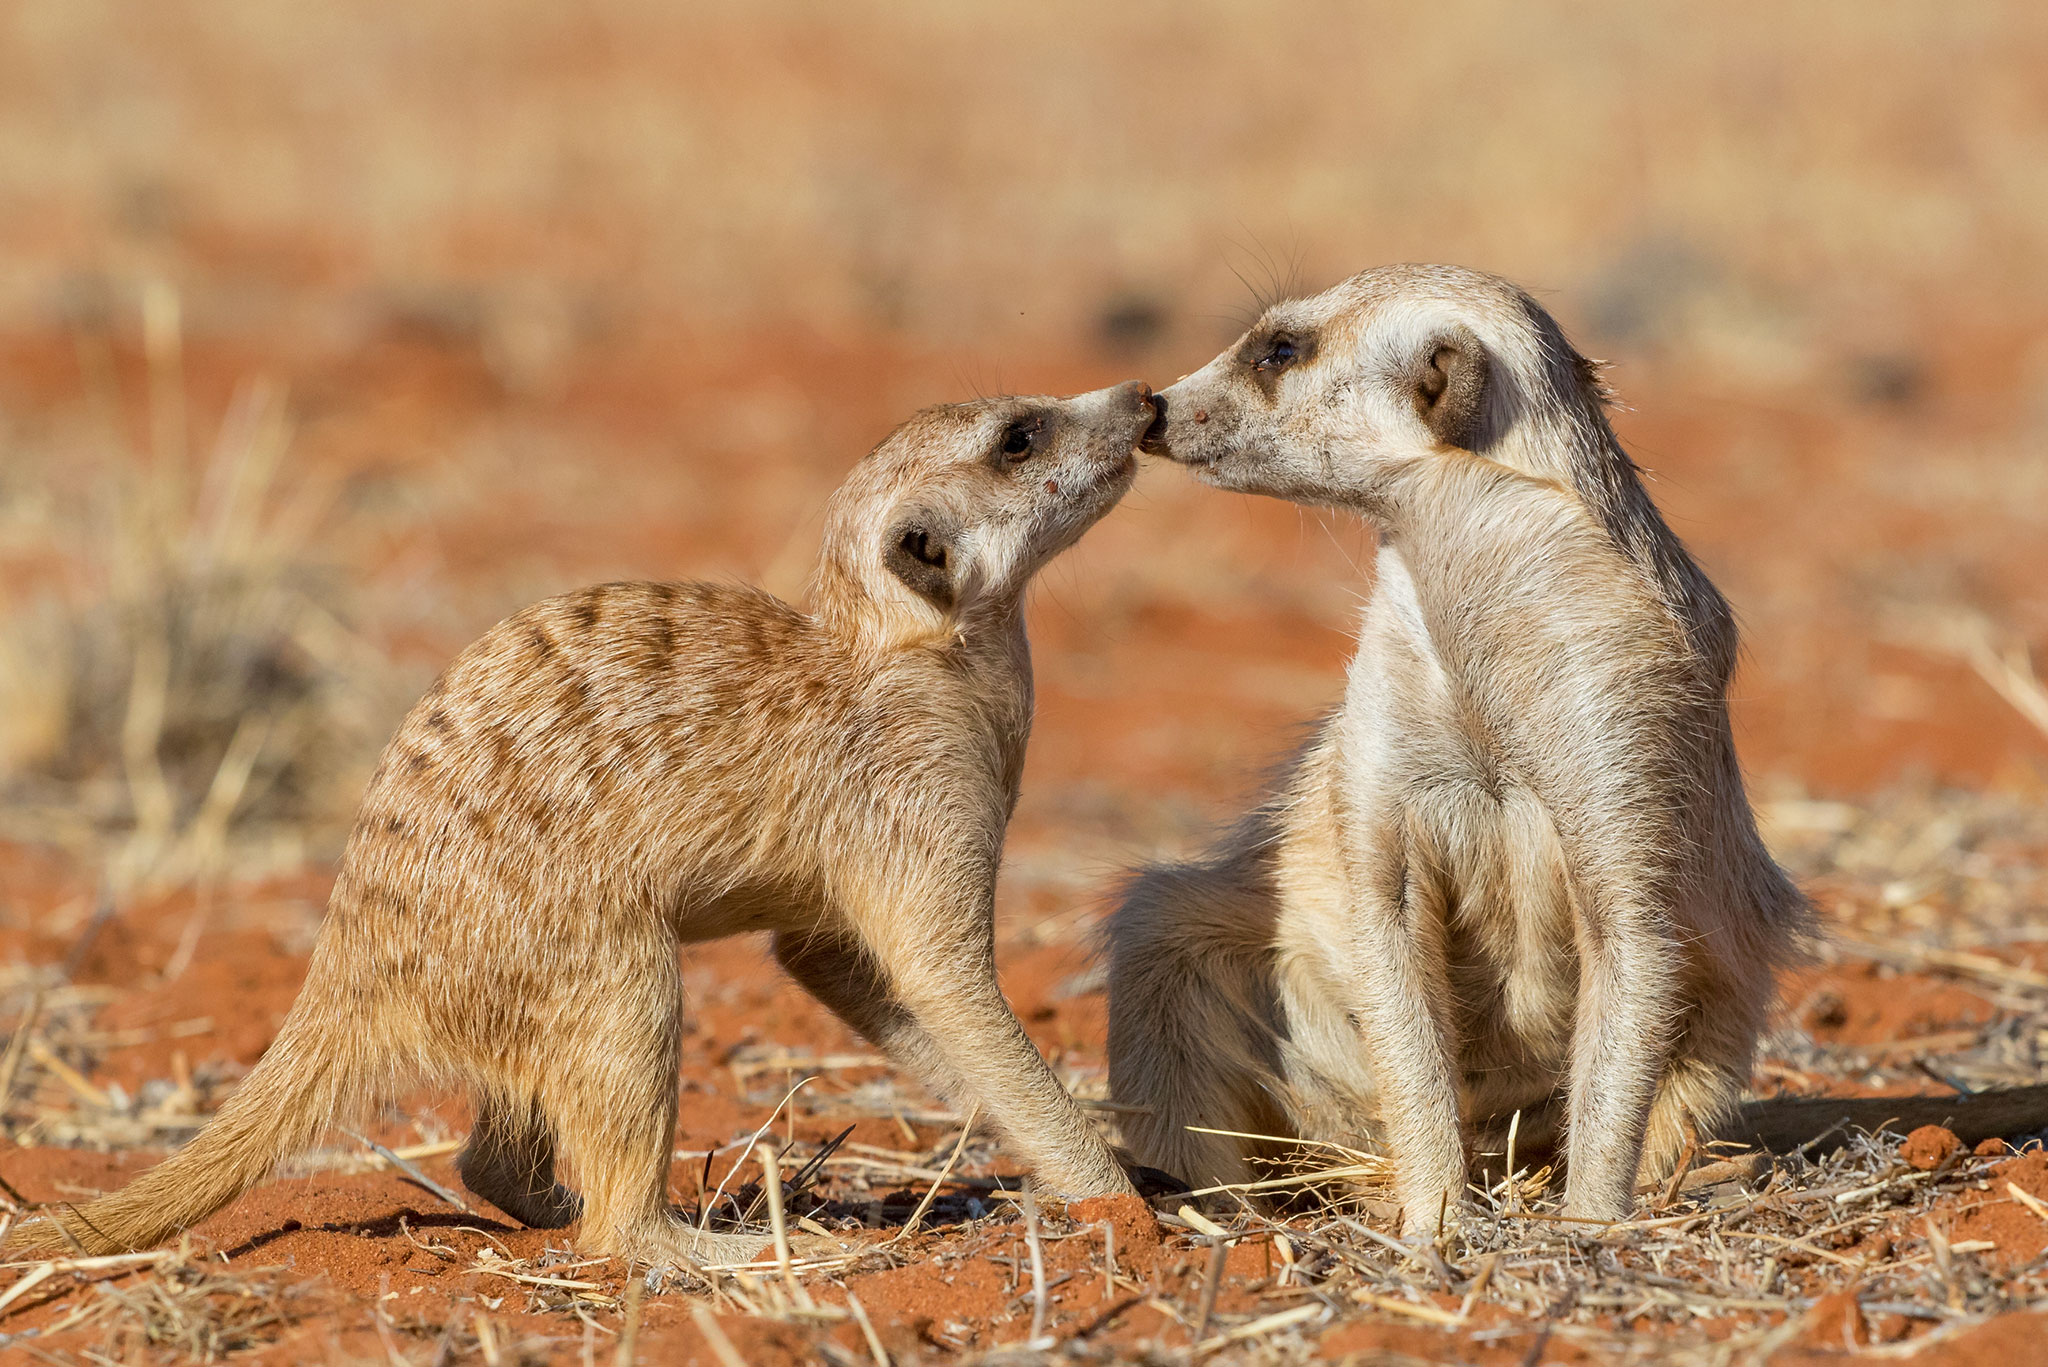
(1610, 1201)
(1427, 1221)
(681, 1244)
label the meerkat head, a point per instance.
(1321, 396)
(961, 505)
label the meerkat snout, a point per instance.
(1126, 412)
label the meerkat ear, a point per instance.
(1450, 386)
(919, 551)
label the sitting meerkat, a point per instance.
(617, 772)
(1516, 871)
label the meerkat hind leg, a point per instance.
(617, 1118)
(510, 1162)
(1701, 1089)
(1194, 1036)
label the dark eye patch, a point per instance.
(1278, 351)
(1020, 439)
(1267, 356)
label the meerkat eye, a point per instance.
(1019, 438)
(1280, 353)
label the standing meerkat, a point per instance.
(1516, 871)
(614, 773)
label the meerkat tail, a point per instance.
(292, 1094)
(1780, 1124)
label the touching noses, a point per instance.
(1141, 393)
(1151, 409)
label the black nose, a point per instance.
(1155, 433)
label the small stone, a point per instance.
(1928, 1147)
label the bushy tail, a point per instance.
(278, 1111)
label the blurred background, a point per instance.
(329, 333)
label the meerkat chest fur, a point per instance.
(1502, 680)
(1003, 700)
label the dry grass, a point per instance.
(1938, 866)
(190, 1311)
(1721, 1254)
(2000, 658)
(1747, 1258)
(186, 684)
(1751, 1257)
(45, 1094)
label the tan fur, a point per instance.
(612, 774)
(1517, 870)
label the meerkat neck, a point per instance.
(1444, 500)
(987, 629)
(1609, 484)
(838, 600)
(983, 645)
(1571, 445)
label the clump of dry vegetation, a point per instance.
(190, 1310)
(182, 680)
